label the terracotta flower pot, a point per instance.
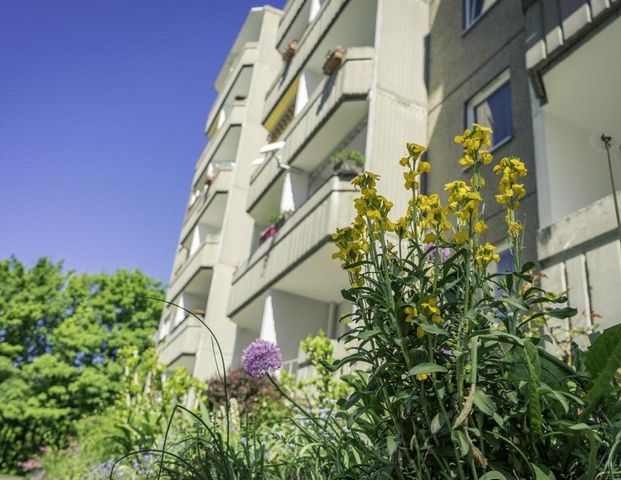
(289, 53)
(334, 60)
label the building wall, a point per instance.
(460, 64)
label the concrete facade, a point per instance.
(254, 258)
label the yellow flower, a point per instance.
(437, 319)
(423, 167)
(374, 214)
(411, 314)
(404, 162)
(466, 161)
(460, 237)
(421, 377)
(429, 237)
(485, 255)
(479, 226)
(430, 305)
(415, 149)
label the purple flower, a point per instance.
(442, 254)
(261, 357)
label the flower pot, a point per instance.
(348, 167)
(334, 60)
(288, 54)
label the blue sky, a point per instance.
(102, 109)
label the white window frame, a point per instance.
(469, 22)
(487, 91)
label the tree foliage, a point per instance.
(61, 334)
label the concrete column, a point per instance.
(301, 98)
(268, 324)
(315, 6)
(287, 200)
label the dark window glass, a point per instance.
(473, 9)
(495, 112)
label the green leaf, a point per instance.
(564, 312)
(493, 475)
(580, 426)
(542, 473)
(432, 328)
(533, 366)
(602, 361)
(391, 445)
(484, 402)
(426, 368)
(436, 425)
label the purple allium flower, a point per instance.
(442, 254)
(261, 357)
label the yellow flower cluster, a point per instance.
(485, 255)
(352, 246)
(473, 140)
(464, 201)
(510, 192)
(370, 205)
(416, 167)
(433, 215)
(429, 308)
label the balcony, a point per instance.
(580, 253)
(178, 349)
(300, 250)
(209, 206)
(553, 28)
(193, 273)
(337, 106)
(237, 85)
(224, 143)
(338, 22)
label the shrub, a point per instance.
(453, 379)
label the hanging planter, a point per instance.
(289, 53)
(333, 60)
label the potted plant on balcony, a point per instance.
(208, 180)
(347, 162)
(288, 54)
(333, 60)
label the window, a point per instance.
(492, 107)
(474, 9)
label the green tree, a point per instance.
(61, 334)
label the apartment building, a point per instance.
(330, 76)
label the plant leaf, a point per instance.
(493, 475)
(426, 368)
(484, 402)
(533, 366)
(602, 361)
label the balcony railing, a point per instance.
(181, 341)
(306, 46)
(220, 185)
(235, 118)
(352, 81)
(554, 27)
(306, 230)
(289, 14)
(580, 254)
(246, 58)
(205, 257)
